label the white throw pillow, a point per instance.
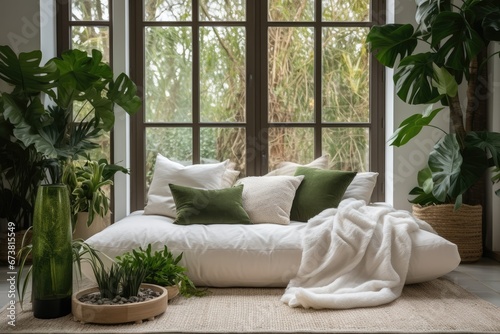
(269, 199)
(230, 175)
(288, 168)
(160, 199)
(362, 186)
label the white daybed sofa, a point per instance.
(263, 254)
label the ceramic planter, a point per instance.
(82, 231)
(52, 253)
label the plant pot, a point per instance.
(173, 291)
(82, 231)
(52, 253)
(117, 314)
(462, 227)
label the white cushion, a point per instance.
(260, 255)
(362, 186)
(288, 168)
(269, 199)
(160, 199)
(230, 175)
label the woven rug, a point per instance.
(439, 306)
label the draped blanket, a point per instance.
(353, 256)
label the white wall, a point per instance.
(20, 27)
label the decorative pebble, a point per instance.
(143, 295)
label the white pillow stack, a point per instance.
(266, 199)
(203, 176)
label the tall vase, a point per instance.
(52, 253)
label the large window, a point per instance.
(257, 82)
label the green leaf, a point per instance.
(25, 71)
(390, 41)
(424, 178)
(123, 92)
(491, 26)
(427, 10)
(413, 79)
(444, 162)
(412, 126)
(422, 197)
(444, 81)
(487, 141)
(456, 41)
(79, 74)
(25, 132)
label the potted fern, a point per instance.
(453, 38)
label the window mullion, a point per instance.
(318, 150)
(196, 83)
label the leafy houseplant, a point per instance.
(162, 268)
(86, 182)
(455, 36)
(58, 110)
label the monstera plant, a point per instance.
(453, 37)
(56, 111)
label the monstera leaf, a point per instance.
(458, 43)
(427, 10)
(390, 41)
(486, 141)
(25, 71)
(412, 126)
(455, 171)
(123, 92)
(413, 79)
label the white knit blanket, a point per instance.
(353, 256)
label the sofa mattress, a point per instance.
(259, 255)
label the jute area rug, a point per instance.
(439, 306)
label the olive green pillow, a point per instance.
(200, 206)
(320, 189)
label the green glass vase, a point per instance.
(52, 253)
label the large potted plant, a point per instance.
(453, 38)
(59, 109)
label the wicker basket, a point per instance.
(462, 227)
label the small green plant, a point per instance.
(108, 281)
(162, 268)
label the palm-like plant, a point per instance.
(454, 35)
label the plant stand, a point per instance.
(117, 314)
(462, 227)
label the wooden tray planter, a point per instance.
(117, 314)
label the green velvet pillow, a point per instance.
(200, 206)
(320, 189)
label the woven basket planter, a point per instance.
(462, 227)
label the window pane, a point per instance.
(89, 10)
(173, 143)
(291, 10)
(168, 74)
(222, 10)
(290, 144)
(219, 144)
(346, 10)
(167, 10)
(348, 148)
(88, 38)
(346, 75)
(222, 74)
(291, 74)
